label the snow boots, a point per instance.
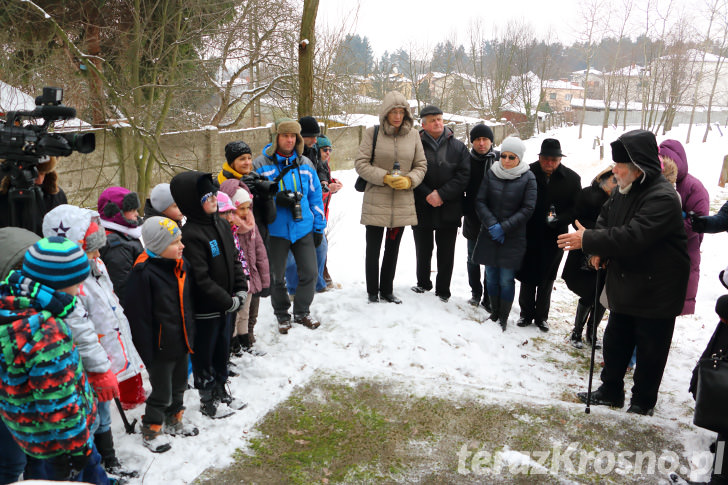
(221, 393)
(173, 425)
(105, 445)
(154, 439)
(495, 303)
(246, 344)
(504, 309)
(582, 313)
(209, 405)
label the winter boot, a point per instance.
(173, 425)
(247, 345)
(209, 405)
(485, 303)
(105, 445)
(504, 310)
(223, 395)
(582, 313)
(154, 439)
(495, 302)
(236, 346)
(590, 319)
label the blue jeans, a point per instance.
(501, 282)
(12, 457)
(103, 417)
(292, 270)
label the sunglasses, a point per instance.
(509, 157)
(327, 149)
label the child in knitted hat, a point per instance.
(163, 328)
(118, 208)
(45, 383)
(98, 324)
(161, 203)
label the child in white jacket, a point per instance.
(98, 324)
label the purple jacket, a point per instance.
(694, 198)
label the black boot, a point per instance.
(105, 445)
(495, 302)
(582, 313)
(503, 311)
(590, 319)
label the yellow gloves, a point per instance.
(398, 183)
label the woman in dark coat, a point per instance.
(578, 275)
(506, 200)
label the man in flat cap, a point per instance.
(439, 201)
(558, 187)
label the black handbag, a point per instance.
(711, 396)
(360, 185)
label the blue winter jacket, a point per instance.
(303, 179)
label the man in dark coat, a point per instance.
(438, 201)
(558, 187)
(640, 239)
(482, 157)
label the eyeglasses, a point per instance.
(509, 157)
(327, 149)
(207, 196)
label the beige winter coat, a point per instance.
(383, 206)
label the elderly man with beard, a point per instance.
(640, 239)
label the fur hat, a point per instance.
(309, 126)
(236, 148)
(56, 262)
(669, 169)
(514, 145)
(481, 130)
(158, 233)
(161, 197)
(114, 201)
(286, 125)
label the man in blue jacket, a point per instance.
(299, 224)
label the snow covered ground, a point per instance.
(434, 348)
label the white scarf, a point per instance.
(135, 232)
(509, 173)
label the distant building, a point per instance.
(558, 94)
(594, 86)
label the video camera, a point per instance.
(24, 145)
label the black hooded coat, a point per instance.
(209, 249)
(642, 237)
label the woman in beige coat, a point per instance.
(388, 198)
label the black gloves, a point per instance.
(264, 293)
(698, 223)
(318, 238)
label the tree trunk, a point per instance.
(306, 50)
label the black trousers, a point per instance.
(652, 337)
(444, 238)
(535, 300)
(212, 346)
(304, 252)
(383, 282)
(169, 383)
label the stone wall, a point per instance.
(84, 177)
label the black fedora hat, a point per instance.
(551, 147)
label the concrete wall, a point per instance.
(84, 177)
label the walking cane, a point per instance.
(129, 427)
(593, 342)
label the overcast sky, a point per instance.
(391, 24)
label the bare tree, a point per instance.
(593, 17)
(306, 50)
(722, 50)
(612, 82)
